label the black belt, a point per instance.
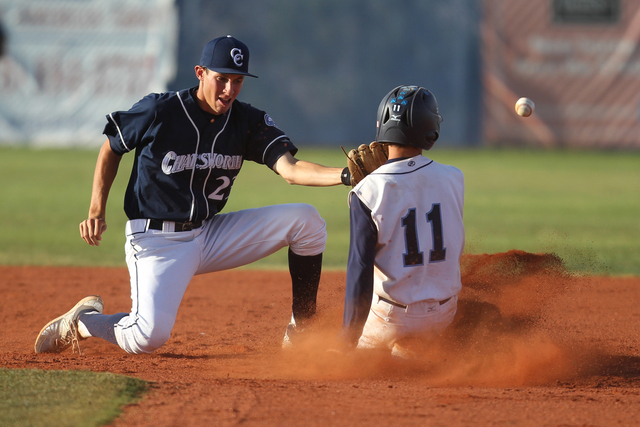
(397, 304)
(156, 224)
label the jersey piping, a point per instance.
(193, 171)
(401, 173)
(213, 146)
(266, 150)
(119, 132)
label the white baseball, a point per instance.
(524, 107)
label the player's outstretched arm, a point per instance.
(91, 229)
(301, 172)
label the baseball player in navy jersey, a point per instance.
(407, 234)
(188, 148)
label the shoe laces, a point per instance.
(71, 336)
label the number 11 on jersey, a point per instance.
(413, 256)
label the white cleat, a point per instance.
(62, 332)
(293, 335)
(290, 336)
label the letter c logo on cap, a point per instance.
(237, 56)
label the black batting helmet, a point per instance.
(408, 115)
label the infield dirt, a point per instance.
(532, 345)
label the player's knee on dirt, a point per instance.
(309, 231)
(137, 339)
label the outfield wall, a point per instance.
(578, 60)
(69, 63)
(324, 65)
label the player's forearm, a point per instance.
(360, 270)
(312, 174)
(358, 299)
(105, 174)
(301, 172)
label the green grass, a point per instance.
(582, 205)
(64, 398)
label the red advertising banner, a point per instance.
(578, 60)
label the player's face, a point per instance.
(218, 91)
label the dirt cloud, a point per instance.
(500, 337)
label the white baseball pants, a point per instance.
(387, 325)
(161, 264)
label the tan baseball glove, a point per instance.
(366, 159)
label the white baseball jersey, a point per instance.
(409, 215)
(417, 206)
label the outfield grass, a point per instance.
(64, 398)
(582, 205)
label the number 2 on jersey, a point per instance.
(413, 256)
(218, 194)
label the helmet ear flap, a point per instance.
(430, 139)
(432, 136)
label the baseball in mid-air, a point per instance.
(524, 107)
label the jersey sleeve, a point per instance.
(126, 129)
(359, 287)
(267, 142)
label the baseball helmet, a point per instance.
(408, 115)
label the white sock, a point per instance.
(83, 331)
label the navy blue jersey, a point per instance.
(186, 159)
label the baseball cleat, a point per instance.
(291, 336)
(403, 353)
(286, 341)
(62, 332)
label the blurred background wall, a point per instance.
(577, 59)
(324, 65)
(68, 63)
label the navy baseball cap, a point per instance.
(226, 55)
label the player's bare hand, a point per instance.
(91, 230)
